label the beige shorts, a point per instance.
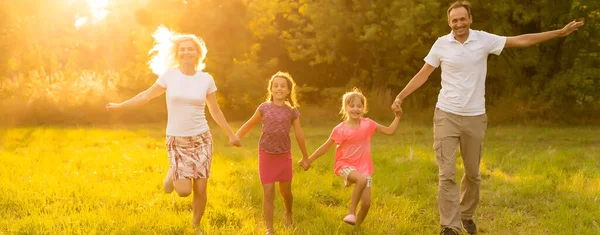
(345, 172)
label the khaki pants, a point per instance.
(450, 131)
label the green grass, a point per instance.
(56, 180)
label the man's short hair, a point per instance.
(459, 4)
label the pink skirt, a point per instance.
(274, 167)
(190, 156)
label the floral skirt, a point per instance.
(190, 156)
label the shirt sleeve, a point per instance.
(295, 113)
(212, 87)
(261, 109)
(433, 58)
(336, 136)
(494, 42)
(371, 126)
(162, 80)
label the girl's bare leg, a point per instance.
(285, 189)
(268, 207)
(360, 182)
(365, 204)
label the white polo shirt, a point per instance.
(186, 99)
(464, 68)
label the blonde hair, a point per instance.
(290, 99)
(355, 93)
(167, 48)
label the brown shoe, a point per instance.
(448, 231)
(469, 226)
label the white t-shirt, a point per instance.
(186, 99)
(464, 67)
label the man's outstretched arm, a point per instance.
(526, 40)
(416, 82)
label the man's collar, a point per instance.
(472, 36)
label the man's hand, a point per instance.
(397, 107)
(570, 27)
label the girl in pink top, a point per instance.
(353, 153)
(278, 114)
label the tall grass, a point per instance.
(53, 180)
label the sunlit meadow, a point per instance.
(57, 180)
(62, 61)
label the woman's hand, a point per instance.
(113, 106)
(235, 141)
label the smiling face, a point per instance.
(188, 52)
(279, 89)
(354, 108)
(460, 21)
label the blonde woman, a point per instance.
(178, 61)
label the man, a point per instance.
(459, 117)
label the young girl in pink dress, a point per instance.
(278, 114)
(353, 153)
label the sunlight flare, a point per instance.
(98, 8)
(97, 12)
(80, 21)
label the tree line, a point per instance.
(52, 71)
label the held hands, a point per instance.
(397, 112)
(397, 107)
(113, 106)
(235, 141)
(304, 163)
(570, 27)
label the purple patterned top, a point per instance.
(276, 123)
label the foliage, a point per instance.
(331, 44)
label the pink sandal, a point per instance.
(350, 219)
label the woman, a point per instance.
(179, 63)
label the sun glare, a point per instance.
(80, 21)
(97, 12)
(98, 8)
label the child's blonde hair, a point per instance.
(166, 48)
(348, 97)
(290, 99)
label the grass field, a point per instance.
(59, 180)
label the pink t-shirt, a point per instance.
(354, 146)
(276, 123)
